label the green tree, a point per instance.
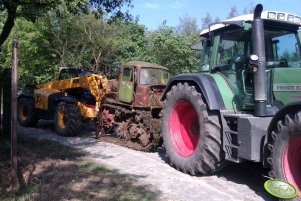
(206, 21)
(77, 40)
(216, 20)
(32, 9)
(187, 26)
(36, 63)
(233, 12)
(249, 9)
(172, 50)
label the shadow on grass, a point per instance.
(50, 171)
(86, 130)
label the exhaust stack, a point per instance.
(258, 64)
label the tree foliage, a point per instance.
(172, 50)
(187, 26)
(32, 9)
(233, 12)
(207, 20)
(74, 34)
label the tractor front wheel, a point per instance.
(67, 119)
(191, 133)
(285, 159)
(26, 116)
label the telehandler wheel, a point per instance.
(26, 116)
(191, 133)
(67, 119)
(285, 150)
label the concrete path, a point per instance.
(233, 183)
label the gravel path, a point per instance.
(235, 182)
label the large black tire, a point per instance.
(285, 158)
(191, 133)
(26, 115)
(67, 119)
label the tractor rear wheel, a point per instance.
(285, 159)
(191, 133)
(26, 116)
(67, 119)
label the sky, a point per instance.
(152, 13)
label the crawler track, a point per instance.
(138, 128)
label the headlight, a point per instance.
(297, 20)
(271, 15)
(281, 16)
(290, 18)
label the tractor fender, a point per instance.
(205, 84)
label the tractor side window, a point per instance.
(230, 50)
(284, 49)
(127, 75)
(204, 48)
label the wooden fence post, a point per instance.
(1, 137)
(14, 96)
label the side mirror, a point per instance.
(201, 45)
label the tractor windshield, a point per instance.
(153, 76)
(282, 48)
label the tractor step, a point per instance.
(242, 134)
(230, 135)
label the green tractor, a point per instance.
(245, 105)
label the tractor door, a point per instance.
(286, 66)
(231, 60)
(126, 85)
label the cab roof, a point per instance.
(143, 64)
(275, 16)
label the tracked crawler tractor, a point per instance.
(132, 110)
(245, 105)
(74, 97)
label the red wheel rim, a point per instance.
(291, 162)
(183, 128)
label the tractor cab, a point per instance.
(71, 72)
(226, 49)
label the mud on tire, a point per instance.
(191, 133)
(67, 119)
(26, 116)
(285, 148)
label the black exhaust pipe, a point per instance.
(258, 63)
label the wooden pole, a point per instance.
(1, 137)
(14, 88)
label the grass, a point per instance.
(50, 171)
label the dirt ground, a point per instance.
(151, 170)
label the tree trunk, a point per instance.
(9, 23)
